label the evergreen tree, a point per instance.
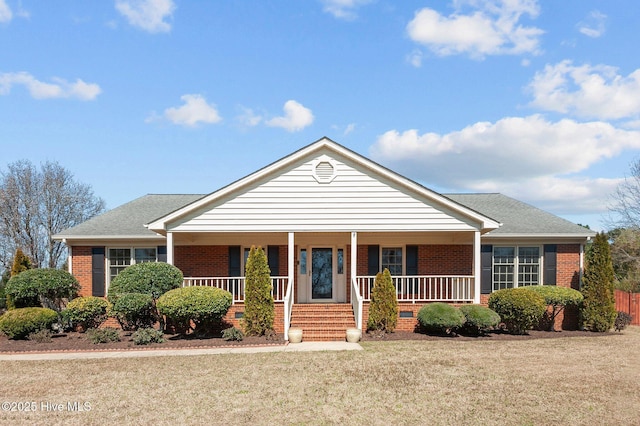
(599, 307)
(259, 308)
(20, 263)
(383, 310)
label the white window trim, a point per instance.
(516, 264)
(404, 256)
(132, 258)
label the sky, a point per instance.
(538, 100)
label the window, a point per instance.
(392, 260)
(508, 260)
(340, 261)
(120, 258)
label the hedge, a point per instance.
(87, 312)
(440, 317)
(205, 306)
(19, 323)
(152, 278)
(519, 308)
(479, 319)
(134, 311)
(42, 287)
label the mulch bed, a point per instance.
(78, 342)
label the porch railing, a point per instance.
(356, 303)
(424, 288)
(236, 286)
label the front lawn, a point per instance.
(576, 380)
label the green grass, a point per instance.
(592, 380)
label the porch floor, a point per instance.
(323, 322)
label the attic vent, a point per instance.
(324, 169)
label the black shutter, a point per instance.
(162, 253)
(373, 260)
(97, 272)
(273, 257)
(234, 261)
(412, 260)
(550, 262)
(486, 273)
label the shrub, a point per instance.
(87, 312)
(232, 333)
(145, 336)
(519, 308)
(259, 309)
(599, 306)
(40, 336)
(134, 310)
(479, 319)
(19, 323)
(440, 317)
(205, 306)
(103, 335)
(622, 321)
(557, 298)
(42, 287)
(152, 278)
(383, 309)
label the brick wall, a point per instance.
(81, 268)
(202, 261)
(445, 260)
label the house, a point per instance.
(329, 220)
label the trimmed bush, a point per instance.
(440, 318)
(19, 323)
(103, 335)
(599, 306)
(87, 312)
(557, 298)
(145, 336)
(383, 310)
(205, 306)
(519, 308)
(42, 287)
(134, 311)
(259, 309)
(152, 278)
(479, 319)
(622, 321)
(232, 333)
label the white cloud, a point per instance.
(491, 28)
(343, 9)
(249, 117)
(5, 12)
(148, 15)
(296, 117)
(529, 158)
(60, 88)
(594, 25)
(587, 91)
(194, 111)
(415, 58)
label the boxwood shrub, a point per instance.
(145, 336)
(204, 306)
(150, 278)
(440, 318)
(87, 312)
(19, 323)
(557, 298)
(134, 310)
(478, 319)
(519, 308)
(42, 287)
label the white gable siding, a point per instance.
(296, 201)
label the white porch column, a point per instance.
(170, 248)
(476, 267)
(291, 260)
(354, 258)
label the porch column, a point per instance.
(354, 258)
(291, 261)
(170, 248)
(476, 267)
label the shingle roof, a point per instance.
(519, 218)
(128, 220)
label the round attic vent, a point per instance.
(324, 170)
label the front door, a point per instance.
(322, 274)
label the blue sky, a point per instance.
(539, 100)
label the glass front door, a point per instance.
(322, 273)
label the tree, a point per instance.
(625, 254)
(626, 200)
(599, 307)
(383, 310)
(37, 204)
(259, 308)
(20, 263)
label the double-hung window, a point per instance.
(515, 266)
(120, 258)
(392, 260)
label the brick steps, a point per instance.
(323, 322)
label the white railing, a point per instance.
(356, 303)
(288, 307)
(236, 286)
(424, 288)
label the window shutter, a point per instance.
(97, 272)
(234, 261)
(550, 263)
(273, 257)
(373, 260)
(162, 253)
(412, 260)
(486, 273)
